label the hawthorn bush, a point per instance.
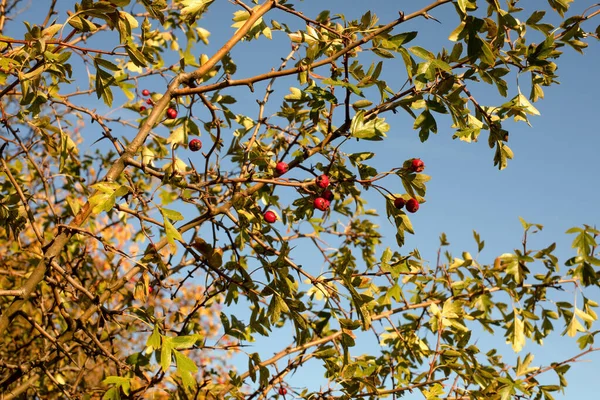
(152, 227)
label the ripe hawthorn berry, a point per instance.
(171, 113)
(195, 145)
(149, 101)
(281, 168)
(321, 204)
(282, 391)
(399, 202)
(417, 165)
(322, 181)
(145, 92)
(412, 205)
(142, 108)
(270, 217)
(327, 195)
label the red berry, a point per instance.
(327, 195)
(399, 202)
(281, 168)
(172, 113)
(282, 391)
(145, 92)
(142, 108)
(321, 204)
(149, 101)
(412, 205)
(270, 217)
(417, 165)
(322, 181)
(195, 144)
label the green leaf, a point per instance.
(119, 382)
(172, 233)
(184, 363)
(171, 214)
(523, 367)
(155, 8)
(373, 129)
(166, 350)
(518, 334)
(560, 6)
(192, 9)
(184, 342)
(153, 341)
(574, 327)
(106, 195)
(112, 394)
(584, 316)
(135, 55)
(422, 53)
(456, 33)
(362, 104)
(350, 324)
(100, 62)
(51, 30)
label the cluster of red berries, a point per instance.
(412, 205)
(323, 201)
(171, 112)
(146, 93)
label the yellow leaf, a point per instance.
(518, 340)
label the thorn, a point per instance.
(427, 16)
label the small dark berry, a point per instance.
(282, 391)
(145, 92)
(327, 195)
(399, 202)
(322, 181)
(412, 205)
(281, 168)
(149, 101)
(195, 144)
(142, 108)
(270, 217)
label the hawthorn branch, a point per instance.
(24, 201)
(115, 171)
(37, 65)
(62, 43)
(425, 304)
(308, 20)
(3, 14)
(400, 389)
(554, 366)
(292, 71)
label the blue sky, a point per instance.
(553, 179)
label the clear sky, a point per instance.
(553, 179)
